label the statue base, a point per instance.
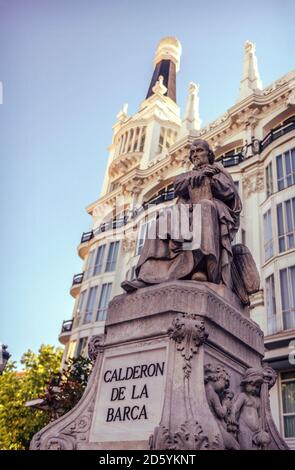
(168, 375)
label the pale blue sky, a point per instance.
(67, 67)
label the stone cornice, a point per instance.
(192, 298)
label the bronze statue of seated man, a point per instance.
(203, 250)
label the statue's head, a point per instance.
(201, 153)
(218, 377)
(252, 381)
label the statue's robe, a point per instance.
(164, 258)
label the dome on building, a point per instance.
(169, 48)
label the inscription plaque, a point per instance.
(130, 395)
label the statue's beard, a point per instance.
(198, 166)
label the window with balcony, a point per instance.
(288, 402)
(99, 258)
(285, 169)
(232, 157)
(268, 239)
(286, 224)
(287, 284)
(88, 315)
(104, 299)
(112, 256)
(269, 180)
(271, 310)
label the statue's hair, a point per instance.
(252, 376)
(213, 373)
(211, 156)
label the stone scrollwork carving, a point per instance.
(59, 443)
(192, 427)
(253, 183)
(189, 333)
(129, 244)
(67, 438)
(53, 442)
(161, 439)
(190, 436)
(95, 346)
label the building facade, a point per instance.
(255, 141)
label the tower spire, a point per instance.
(166, 63)
(191, 120)
(250, 79)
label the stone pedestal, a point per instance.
(155, 382)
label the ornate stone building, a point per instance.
(255, 141)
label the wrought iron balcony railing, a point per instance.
(86, 236)
(66, 326)
(232, 160)
(77, 279)
(287, 126)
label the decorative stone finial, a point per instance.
(191, 120)
(249, 46)
(250, 79)
(122, 115)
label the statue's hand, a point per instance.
(227, 402)
(210, 170)
(197, 178)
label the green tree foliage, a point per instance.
(40, 378)
(19, 423)
(66, 388)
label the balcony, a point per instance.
(232, 160)
(287, 126)
(83, 247)
(76, 284)
(86, 236)
(65, 332)
(77, 279)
